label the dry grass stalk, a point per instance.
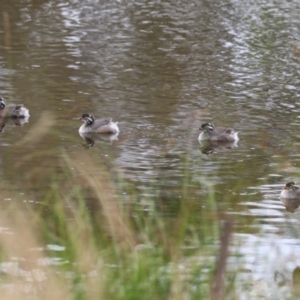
(39, 130)
(218, 279)
(102, 184)
(7, 32)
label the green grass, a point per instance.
(115, 251)
(85, 240)
(92, 235)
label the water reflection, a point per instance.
(208, 147)
(12, 122)
(291, 205)
(90, 138)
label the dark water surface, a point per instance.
(161, 68)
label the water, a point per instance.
(161, 68)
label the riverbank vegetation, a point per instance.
(93, 236)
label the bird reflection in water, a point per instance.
(291, 204)
(13, 121)
(89, 138)
(208, 147)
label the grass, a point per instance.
(92, 235)
(81, 241)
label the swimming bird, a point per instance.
(98, 126)
(217, 134)
(290, 191)
(12, 110)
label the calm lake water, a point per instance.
(161, 68)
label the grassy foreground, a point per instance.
(92, 235)
(62, 249)
(82, 242)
